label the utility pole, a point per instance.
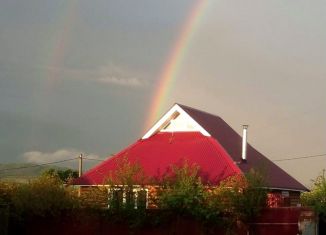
(80, 169)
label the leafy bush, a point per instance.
(44, 196)
(121, 199)
(64, 175)
(237, 198)
(316, 198)
(243, 195)
(7, 190)
(183, 192)
(127, 174)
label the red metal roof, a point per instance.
(158, 153)
(217, 156)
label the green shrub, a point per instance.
(44, 196)
(316, 198)
(183, 192)
(64, 175)
(238, 198)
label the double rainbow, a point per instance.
(169, 72)
(174, 61)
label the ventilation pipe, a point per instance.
(244, 143)
(80, 167)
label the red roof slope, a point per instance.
(232, 143)
(159, 152)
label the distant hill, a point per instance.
(22, 172)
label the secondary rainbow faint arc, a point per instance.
(62, 38)
(174, 61)
(55, 51)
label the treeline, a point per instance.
(22, 172)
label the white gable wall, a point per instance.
(181, 123)
(176, 120)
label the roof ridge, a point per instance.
(198, 110)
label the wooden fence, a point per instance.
(287, 221)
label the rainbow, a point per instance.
(61, 39)
(54, 52)
(174, 61)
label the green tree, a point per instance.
(246, 194)
(64, 175)
(44, 196)
(316, 198)
(123, 181)
(127, 173)
(183, 192)
(236, 200)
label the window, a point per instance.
(126, 197)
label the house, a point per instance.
(201, 138)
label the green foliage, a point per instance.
(253, 197)
(64, 175)
(316, 198)
(242, 196)
(7, 190)
(183, 192)
(123, 181)
(23, 172)
(44, 196)
(126, 173)
(238, 198)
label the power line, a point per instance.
(277, 160)
(36, 165)
(48, 163)
(94, 159)
(302, 157)
(101, 160)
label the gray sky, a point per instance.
(79, 76)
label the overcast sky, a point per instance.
(79, 76)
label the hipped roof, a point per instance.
(218, 155)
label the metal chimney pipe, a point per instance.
(244, 143)
(80, 167)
